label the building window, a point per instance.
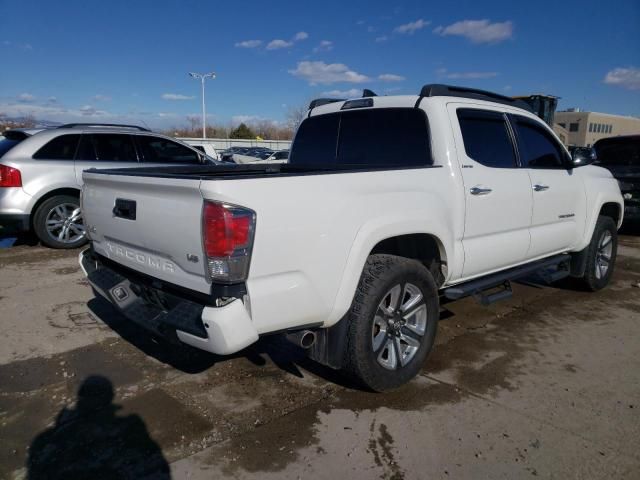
(574, 127)
(563, 125)
(599, 125)
(590, 127)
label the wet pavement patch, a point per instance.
(109, 358)
(170, 423)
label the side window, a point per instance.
(162, 150)
(537, 147)
(486, 138)
(60, 148)
(198, 147)
(394, 136)
(107, 147)
(315, 142)
(282, 155)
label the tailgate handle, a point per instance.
(125, 209)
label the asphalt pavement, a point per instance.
(544, 385)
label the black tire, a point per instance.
(40, 222)
(380, 275)
(594, 278)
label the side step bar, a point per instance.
(550, 270)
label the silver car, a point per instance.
(41, 172)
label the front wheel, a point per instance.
(58, 222)
(601, 254)
(392, 322)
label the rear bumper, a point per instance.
(220, 330)
(16, 220)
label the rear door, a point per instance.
(498, 194)
(559, 198)
(105, 150)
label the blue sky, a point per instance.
(128, 60)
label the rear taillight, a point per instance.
(10, 177)
(228, 240)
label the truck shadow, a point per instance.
(93, 441)
(280, 352)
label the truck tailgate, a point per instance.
(152, 225)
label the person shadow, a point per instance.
(93, 442)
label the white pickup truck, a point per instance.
(386, 204)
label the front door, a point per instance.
(498, 194)
(559, 198)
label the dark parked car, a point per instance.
(621, 155)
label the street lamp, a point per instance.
(203, 77)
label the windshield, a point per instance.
(620, 152)
(7, 144)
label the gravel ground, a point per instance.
(545, 384)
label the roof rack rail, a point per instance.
(108, 125)
(439, 90)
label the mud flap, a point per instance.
(330, 344)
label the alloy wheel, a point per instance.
(399, 324)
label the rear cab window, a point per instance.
(379, 137)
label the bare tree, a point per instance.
(295, 115)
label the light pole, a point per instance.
(203, 77)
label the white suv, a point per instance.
(41, 172)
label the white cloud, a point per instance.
(628, 78)
(479, 31)
(276, 44)
(324, 46)
(52, 99)
(26, 97)
(443, 72)
(354, 92)
(91, 111)
(300, 36)
(101, 98)
(390, 77)
(411, 27)
(176, 96)
(382, 38)
(248, 44)
(323, 73)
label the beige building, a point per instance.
(584, 128)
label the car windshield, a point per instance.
(624, 152)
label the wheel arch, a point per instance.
(410, 239)
(74, 192)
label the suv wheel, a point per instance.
(392, 322)
(601, 254)
(58, 222)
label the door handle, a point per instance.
(480, 191)
(540, 188)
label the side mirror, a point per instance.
(583, 156)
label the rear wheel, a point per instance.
(601, 254)
(58, 222)
(392, 322)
